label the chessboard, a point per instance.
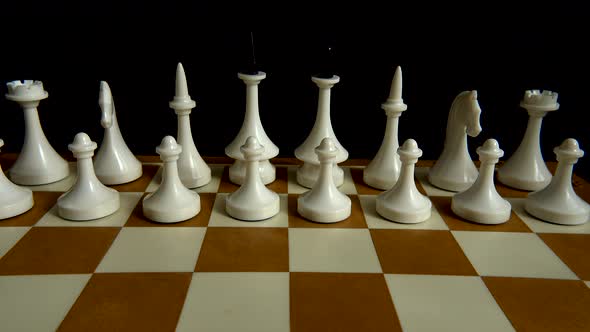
(215, 273)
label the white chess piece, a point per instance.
(481, 203)
(454, 170)
(14, 200)
(308, 173)
(526, 169)
(404, 203)
(252, 126)
(558, 202)
(324, 203)
(192, 169)
(383, 171)
(252, 201)
(89, 198)
(114, 162)
(172, 201)
(37, 163)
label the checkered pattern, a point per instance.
(214, 273)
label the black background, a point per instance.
(498, 51)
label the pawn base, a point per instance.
(571, 216)
(324, 213)
(19, 203)
(493, 215)
(403, 214)
(237, 172)
(113, 178)
(82, 212)
(35, 177)
(255, 211)
(308, 174)
(155, 209)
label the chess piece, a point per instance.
(558, 203)
(14, 200)
(114, 162)
(308, 173)
(383, 171)
(172, 201)
(481, 203)
(526, 169)
(454, 170)
(252, 201)
(37, 163)
(89, 198)
(403, 202)
(252, 127)
(192, 169)
(324, 203)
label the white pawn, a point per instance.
(37, 163)
(252, 201)
(172, 201)
(89, 198)
(324, 203)
(383, 171)
(404, 203)
(114, 162)
(14, 200)
(192, 169)
(558, 203)
(481, 203)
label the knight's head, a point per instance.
(473, 113)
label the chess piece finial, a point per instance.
(192, 169)
(37, 163)
(324, 203)
(252, 126)
(403, 202)
(481, 203)
(14, 200)
(253, 200)
(558, 202)
(384, 170)
(114, 162)
(172, 202)
(526, 169)
(454, 170)
(88, 199)
(308, 173)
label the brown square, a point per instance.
(364, 189)
(140, 184)
(137, 219)
(341, 302)
(573, 249)
(58, 250)
(43, 202)
(129, 302)
(456, 223)
(581, 187)
(356, 219)
(542, 304)
(240, 249)
(420, 252)
(279, 185)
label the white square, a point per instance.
(61, 185)
(374, 220)
(154, 249)
(511, 255)
(9, 236)
(250, 301)
(587, 283)
(211, 187)
(220, 218)
(445, 303)
(128, 201)
(539, 226)
(421, 174)
(293, 187)
(38, 302)
(332, 250)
